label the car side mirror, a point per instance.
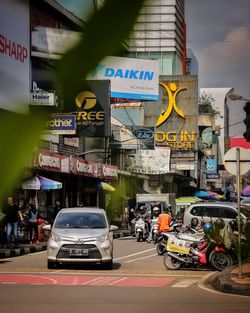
(47, 227)
(113, 228)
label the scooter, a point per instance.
(141, 231)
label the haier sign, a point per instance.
(130, 78)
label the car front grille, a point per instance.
(64, 252)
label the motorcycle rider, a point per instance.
(143, 215)
(154, 221)
(164, 221)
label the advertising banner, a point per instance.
(130, 78)
(149, 161)
(14, 55)
(92, 109)
(175, 115)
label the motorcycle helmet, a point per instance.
(142, 210)
(156, 211)
(194, 222)
(219, 223)
(207, 227)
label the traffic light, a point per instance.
(247, 121)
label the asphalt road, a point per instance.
(138, 283)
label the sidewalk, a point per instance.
(21, 250)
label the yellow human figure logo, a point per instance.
(172, 93)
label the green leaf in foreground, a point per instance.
(19, 135)
(103, 35)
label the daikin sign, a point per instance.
(130, 78)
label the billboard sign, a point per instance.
(175, 115)
(149, 161)
(92, 109)
(130, 78)
(14, 55)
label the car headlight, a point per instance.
(102, 238)
(55, 237)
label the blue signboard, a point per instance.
(211, 166)
(62, 124)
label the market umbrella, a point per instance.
(246, 191)
(106, 186)
(40, 182)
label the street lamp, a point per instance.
(235, 97)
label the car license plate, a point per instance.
(78, 252)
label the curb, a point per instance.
(8, 253)
(224, 283)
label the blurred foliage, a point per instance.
(103, 35)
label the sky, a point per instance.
(218, 32)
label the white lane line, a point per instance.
(185, 283)
(145, 257)
(117, 281)
(129, 255)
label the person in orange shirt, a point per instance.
(164, 220)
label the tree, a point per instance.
(206, 105)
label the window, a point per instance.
(229, 213)
(213, 211)
(197, 211)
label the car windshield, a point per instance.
(80, 220)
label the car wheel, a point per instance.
(51, 264)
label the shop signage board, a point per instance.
(62, 124)
(175, 114)
(42, 98)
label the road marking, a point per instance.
(145, 257)
(185, 283)
(74, 280)
(129, 255)
(118, 281)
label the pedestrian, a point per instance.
(12, 216)
(164, 221)
(34, 215)
(57, 208)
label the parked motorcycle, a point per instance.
(208, 252)
(141, 231)
(176, 228)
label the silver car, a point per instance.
(80, 235)
(210, 211)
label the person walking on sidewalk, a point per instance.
(13, 215)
